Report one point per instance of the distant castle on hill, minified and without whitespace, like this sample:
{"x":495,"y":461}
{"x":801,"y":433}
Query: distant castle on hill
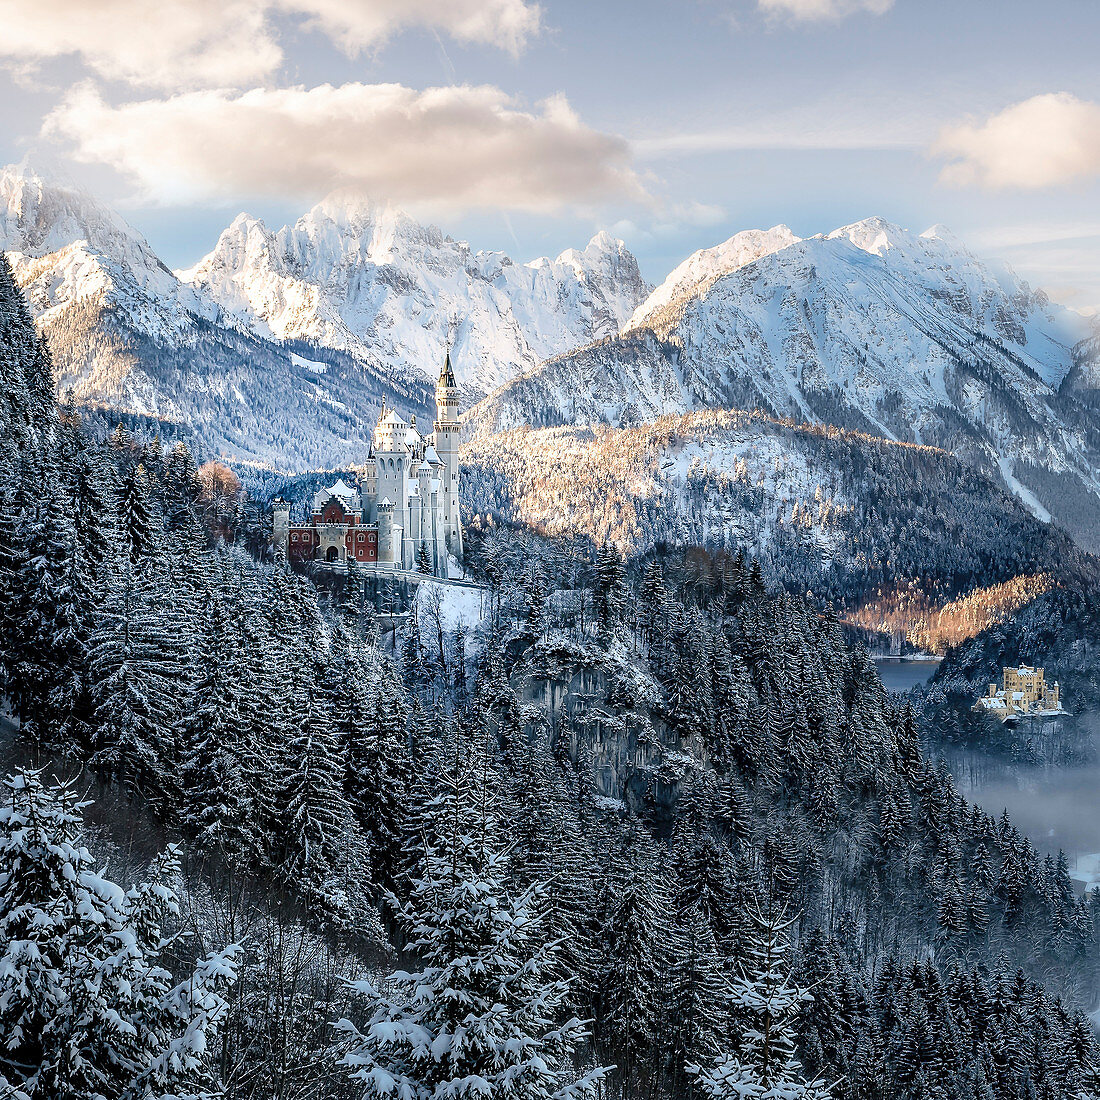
{"x":408,"y":510}
{"x":1024,"y":691}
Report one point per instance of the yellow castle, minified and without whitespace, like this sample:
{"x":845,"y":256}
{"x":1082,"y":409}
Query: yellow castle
{"x":1024,"y":691}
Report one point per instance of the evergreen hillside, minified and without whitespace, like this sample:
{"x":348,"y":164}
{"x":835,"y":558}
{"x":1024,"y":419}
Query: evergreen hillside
{"x":840,"y":513}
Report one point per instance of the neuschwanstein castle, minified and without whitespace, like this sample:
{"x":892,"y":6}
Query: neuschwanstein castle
{"x":409,"y":501}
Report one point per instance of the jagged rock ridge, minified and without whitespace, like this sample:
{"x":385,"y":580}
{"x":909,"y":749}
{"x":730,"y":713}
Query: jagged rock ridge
{"x":369,"y":280}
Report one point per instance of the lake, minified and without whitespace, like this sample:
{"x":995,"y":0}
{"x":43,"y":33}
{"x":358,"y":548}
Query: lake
{"x":904,"y":674}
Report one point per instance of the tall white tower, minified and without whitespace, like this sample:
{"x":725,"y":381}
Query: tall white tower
{"x":280,"y":527}
{"x":391,"y":459}
{"x":447,"y":432}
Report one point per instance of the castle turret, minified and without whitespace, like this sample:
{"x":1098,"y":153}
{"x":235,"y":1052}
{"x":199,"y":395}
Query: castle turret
{"x":391,"y":461}
{"x":388,"y":552}
{"x":447,"y":439}
{"x":280,"y":527}
{"x":370,"y":486}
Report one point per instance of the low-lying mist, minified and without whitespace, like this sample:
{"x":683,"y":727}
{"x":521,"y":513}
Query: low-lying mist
{"x":1056,"y":807}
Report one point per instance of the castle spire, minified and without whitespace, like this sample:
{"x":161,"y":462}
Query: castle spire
{"x":447,"y":375}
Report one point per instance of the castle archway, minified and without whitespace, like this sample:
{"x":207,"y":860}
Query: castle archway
{"x":332,"y":554}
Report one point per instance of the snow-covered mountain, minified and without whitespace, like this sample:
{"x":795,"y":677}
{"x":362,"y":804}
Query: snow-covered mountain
{"x":69,"y":250}
{"x":838,"y":512}
{"x":279,"y":347}
{"x":872,"y":327}
{"x":371,"y":281}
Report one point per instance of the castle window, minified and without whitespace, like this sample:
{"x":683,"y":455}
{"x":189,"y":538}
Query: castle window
{"x":360,"y":538}
{"x":293,"y":538}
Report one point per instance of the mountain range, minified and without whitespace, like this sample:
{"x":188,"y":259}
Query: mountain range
{"x":371,"y":281}
{"x":278,"y":347}
{"x":907,"y":337}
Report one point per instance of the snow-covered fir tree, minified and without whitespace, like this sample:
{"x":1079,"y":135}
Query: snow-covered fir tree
{"x":480,"y":1017}
{"x":765,"y":1003}
{"x":87,"y":1007}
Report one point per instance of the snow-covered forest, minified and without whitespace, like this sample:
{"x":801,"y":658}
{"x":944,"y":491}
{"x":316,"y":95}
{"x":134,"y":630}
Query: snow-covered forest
{"x":643,"y":829}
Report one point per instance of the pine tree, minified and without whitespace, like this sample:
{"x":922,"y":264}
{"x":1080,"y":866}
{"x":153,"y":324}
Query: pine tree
{"x":182,"y":488}
{"x":94,"y":506}
{"x":536,"y":601}
{"x":423,"y":559}
{"x":764,"y":1066}
{"x":87,"y":1008}
{"x":135,"y":675}
{"x":480,"y":1016}
{"x":53,"y":603}
{"x":28,"y":407}
{"x":654,"y":599}
{"x":633,"y":930}
{"x":697,"y":1002}
{"x":325,"y":858}
{"x":219,"y":806}
{"x":610,"y":587}
{"x":376,"y":765}
{"x":13,"y":562}
{"x":139,"y":525}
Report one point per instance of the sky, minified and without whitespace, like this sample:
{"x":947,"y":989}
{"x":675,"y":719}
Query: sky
{"x":527,"y":127}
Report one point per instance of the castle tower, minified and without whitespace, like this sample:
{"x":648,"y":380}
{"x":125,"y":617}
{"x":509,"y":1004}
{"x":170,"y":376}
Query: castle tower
{"x":370,"y":495}
{"x":391,"y":479}
{"x":388,"y":553}
{"x":447,"y":439}
{"x":280,"y":527}
{"x":438,"y":527}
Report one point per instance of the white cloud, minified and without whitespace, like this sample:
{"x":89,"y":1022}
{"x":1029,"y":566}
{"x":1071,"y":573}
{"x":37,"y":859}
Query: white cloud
{"x":775,"y":136}
{"x":166,"y":44}
{"x":508,"y":24}
{"x":810,"y":11}
{"x":450,"y":148}
{"x":1042,"y":142}
{"x":232,"y":43}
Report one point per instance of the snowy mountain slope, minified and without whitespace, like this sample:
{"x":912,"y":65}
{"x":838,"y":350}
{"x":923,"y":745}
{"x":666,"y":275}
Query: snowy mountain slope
{"x":371,"y":281}
{"x":907,"y":337}
{"x":837,"y":512}
{"x":127,"y":334}
{"x":701,"y":269}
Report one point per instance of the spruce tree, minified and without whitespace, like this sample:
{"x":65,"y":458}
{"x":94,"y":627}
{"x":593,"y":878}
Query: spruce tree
{"x":219,"y":772}
{"x":763,"y":1064}
{"x":610,"y":587}
{"x":135,"y":674}
{"x":479,"y":1017}
{"x":634,"y":933}
{"x":371,"y":721}
{"x":87,"y":1008}
{"x":423,"y":559}
{"x":325,"y":859}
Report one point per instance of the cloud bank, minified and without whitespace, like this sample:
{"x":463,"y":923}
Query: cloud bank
{"x":451,"y":148}
{"x":1044,"y":141}
{"x":816,"y":11}
{"x":178,"y":44}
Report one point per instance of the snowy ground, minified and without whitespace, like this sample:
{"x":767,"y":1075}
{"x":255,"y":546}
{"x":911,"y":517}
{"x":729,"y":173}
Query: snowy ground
{"x":459,"y":606}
